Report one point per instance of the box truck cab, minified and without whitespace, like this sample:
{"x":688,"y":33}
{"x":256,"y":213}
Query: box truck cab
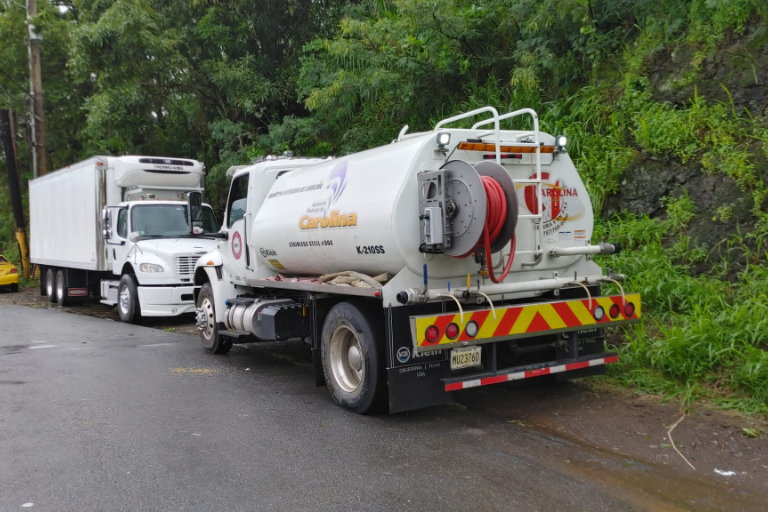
{"x":116,"y":229}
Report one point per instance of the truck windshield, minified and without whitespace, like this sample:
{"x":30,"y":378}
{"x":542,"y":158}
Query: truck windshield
{"x":168,"y":220}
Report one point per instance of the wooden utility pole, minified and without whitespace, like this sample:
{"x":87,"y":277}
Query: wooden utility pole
{"x":14,"y":134}
{"x":15,"y":191}
{"x":39,"y":158}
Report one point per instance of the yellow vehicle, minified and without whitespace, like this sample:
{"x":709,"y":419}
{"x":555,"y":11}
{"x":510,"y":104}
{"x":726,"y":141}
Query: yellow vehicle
{"x":9,"y":274}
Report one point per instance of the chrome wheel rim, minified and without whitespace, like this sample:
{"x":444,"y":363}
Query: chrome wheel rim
{"x":346,"y":357}
{"x":125,"y":299}
{"x":60,"y":288}
{"x":49,"y":284}
{"x":208,"y":312}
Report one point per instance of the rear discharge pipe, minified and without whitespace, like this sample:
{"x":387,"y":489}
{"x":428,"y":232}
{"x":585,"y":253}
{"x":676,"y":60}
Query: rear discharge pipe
{"x":411,"y":296}
{"x":601,"y":248}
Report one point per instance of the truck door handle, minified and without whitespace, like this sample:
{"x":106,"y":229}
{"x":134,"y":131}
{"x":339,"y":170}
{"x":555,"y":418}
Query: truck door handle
{"x":245,"y":241}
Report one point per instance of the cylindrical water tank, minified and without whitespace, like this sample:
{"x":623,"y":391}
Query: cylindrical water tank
{"x":359,"y":212}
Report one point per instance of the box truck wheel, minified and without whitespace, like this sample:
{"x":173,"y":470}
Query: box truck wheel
{"x":50,"y":285}
{"x":61,"y":289}
{"x":352,"y":356}
{"x":213,"y":342}
{"x":128,"y":300}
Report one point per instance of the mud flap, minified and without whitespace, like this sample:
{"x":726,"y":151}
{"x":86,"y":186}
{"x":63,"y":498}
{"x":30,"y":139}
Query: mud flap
{"x":417,"y":386}
{"x":414,"y":380}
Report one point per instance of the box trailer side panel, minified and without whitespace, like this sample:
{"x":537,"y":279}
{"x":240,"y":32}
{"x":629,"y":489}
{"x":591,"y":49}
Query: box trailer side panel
{"x":64,"y":217}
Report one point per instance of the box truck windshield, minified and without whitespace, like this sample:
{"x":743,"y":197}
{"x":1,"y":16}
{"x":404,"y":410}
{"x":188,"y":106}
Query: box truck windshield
{"x":168,"y":221}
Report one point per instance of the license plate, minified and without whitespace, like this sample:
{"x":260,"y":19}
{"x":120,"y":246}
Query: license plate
{"x":465,"y":357}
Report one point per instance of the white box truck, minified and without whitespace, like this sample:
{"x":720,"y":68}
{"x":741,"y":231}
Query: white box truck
{"x":116,"y":228}
{"x":446,"y":260}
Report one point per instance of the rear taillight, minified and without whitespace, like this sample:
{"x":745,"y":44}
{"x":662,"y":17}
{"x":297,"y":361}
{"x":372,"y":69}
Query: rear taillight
{"x":614,"y":311}
{"x":432,"y":334}
{"x":629,"y":310}
{"x":452,"y":331}
{"x":14,"y":271}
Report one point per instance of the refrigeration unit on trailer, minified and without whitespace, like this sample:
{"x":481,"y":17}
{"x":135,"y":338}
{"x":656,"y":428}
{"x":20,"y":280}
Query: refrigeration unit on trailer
{"x":446,"y":260}
{"x":116,"y":228}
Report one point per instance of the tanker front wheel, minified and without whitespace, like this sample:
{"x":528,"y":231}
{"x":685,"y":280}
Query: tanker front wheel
{"x":353,"y":359}
{"x":212,"y":340}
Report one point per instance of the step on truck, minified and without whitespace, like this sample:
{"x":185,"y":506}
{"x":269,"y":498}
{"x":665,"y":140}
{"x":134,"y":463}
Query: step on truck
{"x":116,"y":229}
{"x":446,"y":260}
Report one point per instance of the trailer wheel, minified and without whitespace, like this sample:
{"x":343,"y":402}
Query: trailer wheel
{"x":353,"y":359}
{"x":128,"y":300}
{"x":61,"y":289}
{"x":50,"y":285}
{"x":213,"y":342}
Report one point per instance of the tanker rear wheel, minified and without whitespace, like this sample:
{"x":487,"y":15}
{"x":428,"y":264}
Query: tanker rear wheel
{"x":353,"y":358}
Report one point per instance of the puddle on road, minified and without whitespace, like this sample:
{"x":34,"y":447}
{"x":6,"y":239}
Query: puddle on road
{"x":13,"y":349}
{"x":638,"y":480}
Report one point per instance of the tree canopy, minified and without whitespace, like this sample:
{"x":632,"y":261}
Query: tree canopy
{"x":675,"y":86}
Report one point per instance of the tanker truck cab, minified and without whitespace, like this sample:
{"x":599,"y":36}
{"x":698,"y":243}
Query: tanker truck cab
{"x":446,"y":260}
{"x":115,"y":228}
{"x":226,"y":268}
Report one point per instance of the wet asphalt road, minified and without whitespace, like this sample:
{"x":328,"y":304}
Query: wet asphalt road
{"x":99,"y":415}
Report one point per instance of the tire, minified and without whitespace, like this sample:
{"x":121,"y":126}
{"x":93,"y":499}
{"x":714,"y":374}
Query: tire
{"x":50,"y":285}
{"x":353,"y":358}
{"x":62,"y":296}
{"x":128,"y":300}
{"x":213,"y":341}
{"x":15,"y":287}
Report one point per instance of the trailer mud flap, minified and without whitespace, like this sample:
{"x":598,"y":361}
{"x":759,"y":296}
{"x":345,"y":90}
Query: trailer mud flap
{"x":417,"y":386}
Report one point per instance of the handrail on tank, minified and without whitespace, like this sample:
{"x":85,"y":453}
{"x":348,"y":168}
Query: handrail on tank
{"x":472,"y":113}
{"x":508,"y":115}
{"x":536,"y":140}
{"x":537,"y":218}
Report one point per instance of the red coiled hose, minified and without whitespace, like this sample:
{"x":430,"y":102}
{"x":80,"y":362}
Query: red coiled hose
{"x":495,"y":216}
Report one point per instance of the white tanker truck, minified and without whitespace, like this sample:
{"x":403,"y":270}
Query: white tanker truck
{"x":443,"y":261}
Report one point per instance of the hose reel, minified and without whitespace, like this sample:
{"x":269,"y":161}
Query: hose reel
{"x":467,"y":209}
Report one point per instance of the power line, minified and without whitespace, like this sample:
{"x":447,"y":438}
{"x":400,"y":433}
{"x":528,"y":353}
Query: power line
{"x":17,"y":84}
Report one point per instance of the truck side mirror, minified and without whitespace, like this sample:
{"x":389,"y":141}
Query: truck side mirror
{"x":194,"y":210}
{"x":134,"y":237}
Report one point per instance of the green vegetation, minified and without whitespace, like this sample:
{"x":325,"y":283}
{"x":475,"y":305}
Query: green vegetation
{"x":633,"y":83}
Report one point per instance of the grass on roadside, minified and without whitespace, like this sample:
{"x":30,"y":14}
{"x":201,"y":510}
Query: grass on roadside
{"x":703,"y":337}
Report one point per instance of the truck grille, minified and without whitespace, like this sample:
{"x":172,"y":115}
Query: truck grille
{"x":185,"y":265}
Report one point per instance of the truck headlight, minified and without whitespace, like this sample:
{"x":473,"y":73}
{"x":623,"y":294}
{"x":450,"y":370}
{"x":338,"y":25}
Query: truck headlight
{"x":150,"y":267}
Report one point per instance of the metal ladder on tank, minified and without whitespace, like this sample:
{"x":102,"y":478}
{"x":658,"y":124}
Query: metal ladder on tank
{"x":538,"y":217}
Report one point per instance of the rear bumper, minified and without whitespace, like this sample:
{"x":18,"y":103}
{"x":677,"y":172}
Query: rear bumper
{"x":529,"y":371}
{"x":521,"y":321}
{"x":166,"y":300}
{"x":9,"y":279}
